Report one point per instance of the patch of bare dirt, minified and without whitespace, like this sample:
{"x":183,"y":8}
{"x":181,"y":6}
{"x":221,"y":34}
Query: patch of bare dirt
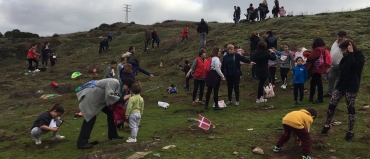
{"x":119,"y":150}
{"x":189,"y":111}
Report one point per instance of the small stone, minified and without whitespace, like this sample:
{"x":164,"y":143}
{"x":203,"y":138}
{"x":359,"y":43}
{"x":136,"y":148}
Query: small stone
{"x":258,"y":150}
{"x":336,"y":123}
{"x":74,"y":118}
{"x":157,"y":155}
{"x":251,"y":129}
{"x":169,"y":146}
{"x":210,"y":137}
{"x":235,"y":153}
{"x":192,"y":120}
{"x":46,"y":147}
{"x":332,"y":150}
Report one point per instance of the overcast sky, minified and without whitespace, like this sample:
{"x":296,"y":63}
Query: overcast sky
{"x":46,"y":17}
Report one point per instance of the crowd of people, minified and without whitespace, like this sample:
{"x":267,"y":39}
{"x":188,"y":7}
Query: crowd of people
{"x":118,"y":94}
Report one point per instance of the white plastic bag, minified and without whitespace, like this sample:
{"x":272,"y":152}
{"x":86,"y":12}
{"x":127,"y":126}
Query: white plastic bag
{"x":269,"y":91}
{"x":163,"y":104}
{"x":221,"y":104}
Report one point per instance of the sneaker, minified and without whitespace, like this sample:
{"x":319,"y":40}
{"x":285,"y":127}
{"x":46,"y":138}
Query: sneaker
{"x":38,"y":141}
{"x":317,"y":102}
{"x":201,"y":103}
{"x":307,"y":157}
{"x":229,"y":102}
{"x":277,"y":149}
{"x":294,"y":103}
{"x":283,"y":86}
{"x":236,"y":103}
{"x":325,"y":130}
{"x":349,"y":136}
{"x":57,"y":137}
{"x":130,"y":140}
{"x":261,"y":100}
{"x":194,"y":103}
{"x":37,"y":70}
{"x":29,"y":71}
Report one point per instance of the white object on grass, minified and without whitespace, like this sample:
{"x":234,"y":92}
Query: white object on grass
{"x":269,"y":91}
{"x":163,"y":104}
{"x":221,"y":104}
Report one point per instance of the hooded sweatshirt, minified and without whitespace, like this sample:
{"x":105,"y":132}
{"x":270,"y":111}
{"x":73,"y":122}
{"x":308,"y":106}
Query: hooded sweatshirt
{"x":202,"y":27}
{"x":254,"y":42}
{"x":300,"y":74}
{"x":298,"y":119}
{"x":336,"y":54}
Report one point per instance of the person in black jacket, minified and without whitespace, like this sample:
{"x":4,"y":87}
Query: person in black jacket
{"x":237,"y":15}
{"x":103,"y":44}
{"x":45,"y":54}
{"x":254,"y":39}
{"x":155,"y":38}
{"x":186,"y":69}
{"x":203,"y":32}
{"x":350,"y":68}
{"x":262,"y":56}
{"x":270,"y":40}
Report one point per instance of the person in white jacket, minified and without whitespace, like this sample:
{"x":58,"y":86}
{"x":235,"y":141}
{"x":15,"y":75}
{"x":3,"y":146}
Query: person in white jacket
{"x":213,"y":78}
{"x":299,"y":53}
{"x":336,"y":56}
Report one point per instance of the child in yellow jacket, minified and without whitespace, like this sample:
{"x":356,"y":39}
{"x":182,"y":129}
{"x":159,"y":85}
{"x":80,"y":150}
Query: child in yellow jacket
{"x":298,"y":122}
{"x":135,"y":108}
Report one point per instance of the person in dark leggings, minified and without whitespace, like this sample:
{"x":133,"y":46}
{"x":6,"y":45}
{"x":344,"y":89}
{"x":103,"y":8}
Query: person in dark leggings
{"x":254,"y":40}
{"x":186,"y":69}
{"x":286,"y":64}
{"x":262,"y":56}
{"x":300,"y":75}
{"x":213,"y":78}
{"x":199,"y":76}
{"x":231,"y":69}
{"x":318,"y":47}
{"x":273,"y":66}
{"x":32,"y":57}
{"x":350,"y":68}
{"x":46,"y":51}
{"x":155,"y":38}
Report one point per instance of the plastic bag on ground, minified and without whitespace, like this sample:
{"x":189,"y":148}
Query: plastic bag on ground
{"x":269,"y":91}
{"x":221,"y":104}
{"x":163,"y":104}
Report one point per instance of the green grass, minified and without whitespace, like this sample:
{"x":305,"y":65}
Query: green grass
{"x":20,"y":103}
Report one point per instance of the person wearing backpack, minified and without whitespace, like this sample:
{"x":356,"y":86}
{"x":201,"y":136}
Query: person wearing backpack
{"x":129,"y":70}
{"x":231,"y":69}
{"x":262,"y":56}
{"x":350,"y":68}
{"x":318,"y":58}
{"x":199,"y":77}
{"x":336,"y":56}
{"x":213,"y":77}
{"x":270,"y":40}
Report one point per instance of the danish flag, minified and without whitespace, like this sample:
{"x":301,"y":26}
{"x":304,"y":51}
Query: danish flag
{"x":204,"y":123}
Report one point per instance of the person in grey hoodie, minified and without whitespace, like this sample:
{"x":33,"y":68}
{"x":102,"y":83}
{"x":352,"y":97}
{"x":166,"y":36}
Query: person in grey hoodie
{"x":120,"y":66}
{"x":286,"y":64}
{"x":109,"y":73}
{"x":336,"y":56}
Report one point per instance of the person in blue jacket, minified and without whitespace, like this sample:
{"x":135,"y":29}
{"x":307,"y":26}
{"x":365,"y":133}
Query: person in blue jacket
{"x":231,"y":69}
{"x":110,"y":37}
{"x":135,"y":67}
{"x":300,"y":75}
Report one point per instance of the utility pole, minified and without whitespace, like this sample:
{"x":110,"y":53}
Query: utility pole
{"x":127,"y":10}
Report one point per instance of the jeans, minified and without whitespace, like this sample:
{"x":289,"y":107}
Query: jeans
{"x":272,"y":75}
{"x":30,"y":63}
{"x":203,"y":39}
{"x":333,"y":76}
{"x":298,"y":87}
{"x":37,"y":131}
{"x":237,"y":20}
{"x":262,"y":15}
{"x":284,"y":75}
{"x":215,"y":94}
{"x":134,"y":120}
{"x":260,"y":87}
{"x":233,"y":83}
{"x":302,"y":134}
{"x":198,"y":83}
{"x":316,"y":81}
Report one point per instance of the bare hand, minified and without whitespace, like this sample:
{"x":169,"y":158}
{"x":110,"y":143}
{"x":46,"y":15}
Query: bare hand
{"x":223,"y":78}
{"x":187,"y":75}
{"x":350,"y":48}
{"x":55,"y":129}
{"x":252,"y":63}
{"x":126,"y":97}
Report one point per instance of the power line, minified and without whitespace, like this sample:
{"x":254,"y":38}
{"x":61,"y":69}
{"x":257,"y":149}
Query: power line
{"x":127,"y":10}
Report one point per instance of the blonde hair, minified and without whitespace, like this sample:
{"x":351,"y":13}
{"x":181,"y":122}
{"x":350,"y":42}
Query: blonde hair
{"x":230,"y":46}
{"x":265,"y":2}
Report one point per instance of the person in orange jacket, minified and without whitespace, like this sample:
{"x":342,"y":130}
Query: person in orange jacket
{"x":184,"y":34}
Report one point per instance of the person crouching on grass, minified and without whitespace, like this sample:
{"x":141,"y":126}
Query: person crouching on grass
{"x":42,"y":124}
{"x":298,"y":122}
{"x":135,"y":108}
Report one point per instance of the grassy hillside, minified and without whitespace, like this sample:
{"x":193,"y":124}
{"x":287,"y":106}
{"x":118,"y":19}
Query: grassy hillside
{"x":20,"y":102}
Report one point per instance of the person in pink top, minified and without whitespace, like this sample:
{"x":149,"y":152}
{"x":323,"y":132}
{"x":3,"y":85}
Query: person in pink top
{"x":282,"y":12}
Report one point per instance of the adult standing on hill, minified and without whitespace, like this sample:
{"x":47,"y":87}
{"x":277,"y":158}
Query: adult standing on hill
{"x":237,"y":15}
{"x":270,"y":40}
{"x":262,"y":56}
{"x":103,"y":44}
{"x":147,"y":39}
{"x":350,"y":68}
{"x":155,"y":38}
{"x":130,"y":55}
{"x":203,"y":32}
{"x":32,"y":57}
{"x":336,"y":56}
{"x":184,"y":34}
{"x":254,"y":40}
{"x":234,"y":15}
{"x":231,"y":69}
{"x":199,"y":76}
{"x":262,"y":9}
{"x":94,"y":97}
{"x":213,"y":78}
{"x":318,"y":47}
{"x":277,"y":4}
{"x":46,"y":51}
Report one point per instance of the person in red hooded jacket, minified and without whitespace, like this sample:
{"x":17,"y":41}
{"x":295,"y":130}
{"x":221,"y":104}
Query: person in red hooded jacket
{"x":184,"y":34}
{"x":318,"y":47}
{"x":199,"y":76}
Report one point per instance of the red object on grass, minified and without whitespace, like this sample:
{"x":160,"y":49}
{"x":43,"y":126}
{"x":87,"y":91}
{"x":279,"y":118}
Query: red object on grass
{"x":54,"y":84}
{"x":204,"y":123}
{"x":94,"y":70}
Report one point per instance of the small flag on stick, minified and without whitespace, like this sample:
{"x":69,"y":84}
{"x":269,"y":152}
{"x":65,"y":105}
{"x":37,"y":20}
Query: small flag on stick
{"x":203,"y":122}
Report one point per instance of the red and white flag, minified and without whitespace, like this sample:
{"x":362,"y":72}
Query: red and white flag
{"x":204,"y":123}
